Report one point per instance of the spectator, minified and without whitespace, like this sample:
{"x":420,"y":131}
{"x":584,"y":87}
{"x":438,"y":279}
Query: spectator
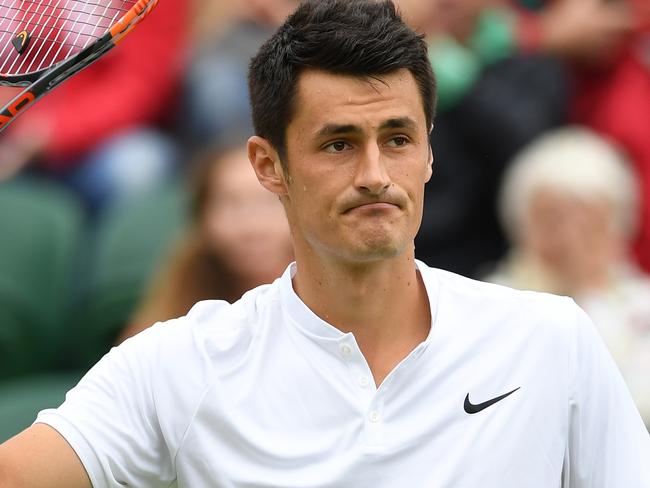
{"x":607,"y":46}
{"x":569,"y":204}
{"x":494,"y":97}
{"x":97,"y":132}
{"x":216,"y":93}
{"x":238,"y":239}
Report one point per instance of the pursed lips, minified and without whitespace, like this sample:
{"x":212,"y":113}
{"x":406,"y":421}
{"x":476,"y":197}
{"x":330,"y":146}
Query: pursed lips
{"x":373,"y":206}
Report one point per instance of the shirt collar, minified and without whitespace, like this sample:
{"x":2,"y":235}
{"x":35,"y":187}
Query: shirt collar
{"x":316,"y":328}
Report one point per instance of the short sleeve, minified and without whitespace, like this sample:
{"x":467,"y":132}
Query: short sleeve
{"x":608,"y":444}
{"x":112,"y":418}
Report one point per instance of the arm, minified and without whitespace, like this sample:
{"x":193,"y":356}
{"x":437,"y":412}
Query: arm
{"x":608,"y":444}
{"x":40,"y":457}
{"x":584,"y":31}
{"x":112,"y":423}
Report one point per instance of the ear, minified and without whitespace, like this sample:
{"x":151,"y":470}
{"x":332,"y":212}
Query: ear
{"x":266,"y":164}
{"x":429,"y":170}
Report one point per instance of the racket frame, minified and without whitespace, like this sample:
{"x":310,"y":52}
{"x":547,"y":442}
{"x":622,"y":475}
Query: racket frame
{"x":41,"y":82}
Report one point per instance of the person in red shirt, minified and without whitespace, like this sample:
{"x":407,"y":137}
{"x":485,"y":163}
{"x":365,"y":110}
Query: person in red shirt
{"x":615,"y":101}
{"x":607,"y":46}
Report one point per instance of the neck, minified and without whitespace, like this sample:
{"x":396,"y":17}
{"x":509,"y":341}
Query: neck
{"x":383,"y":303}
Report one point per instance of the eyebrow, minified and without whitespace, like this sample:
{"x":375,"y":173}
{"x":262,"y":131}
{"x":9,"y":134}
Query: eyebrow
{"x":338,"y":129}
{"x":399,"y":123}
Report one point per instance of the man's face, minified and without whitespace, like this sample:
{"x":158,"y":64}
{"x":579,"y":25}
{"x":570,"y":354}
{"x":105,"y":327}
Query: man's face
{"x":358,"y":157}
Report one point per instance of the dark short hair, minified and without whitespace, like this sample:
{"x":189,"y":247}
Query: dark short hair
{"x":362,"y":38}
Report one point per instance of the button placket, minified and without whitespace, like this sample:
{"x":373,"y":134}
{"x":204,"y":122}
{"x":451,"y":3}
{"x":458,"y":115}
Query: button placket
{"x":358,"y":369}
{"x":371,"y":399}
{"x":374,"y":424}
{"x":345,"y":349}
{"x":374,"y":416}
{"x":364,"y":381}
{"x":363,"y":386}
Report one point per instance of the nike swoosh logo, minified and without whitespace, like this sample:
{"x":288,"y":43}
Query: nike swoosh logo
{"x":471,"y":408}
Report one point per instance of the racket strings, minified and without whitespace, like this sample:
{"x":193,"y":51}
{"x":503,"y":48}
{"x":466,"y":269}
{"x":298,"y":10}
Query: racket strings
{"x":54,"y":30}
{"x":56,"y":18}
{"x":71,"y":11}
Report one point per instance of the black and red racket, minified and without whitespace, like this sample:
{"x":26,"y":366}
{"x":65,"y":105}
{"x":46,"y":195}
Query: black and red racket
{"x":45,"y":42}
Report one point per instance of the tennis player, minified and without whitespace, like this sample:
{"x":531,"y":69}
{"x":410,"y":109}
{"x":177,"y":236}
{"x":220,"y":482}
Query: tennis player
{"x":360,"y":366}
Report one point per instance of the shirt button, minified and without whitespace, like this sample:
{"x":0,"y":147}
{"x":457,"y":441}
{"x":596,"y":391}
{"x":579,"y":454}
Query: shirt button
{"x":364,"y":382}
{"x":346,"y":350}
{"x":375,"y":416}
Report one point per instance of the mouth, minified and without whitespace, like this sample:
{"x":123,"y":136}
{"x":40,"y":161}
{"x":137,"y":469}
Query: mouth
{"x":373,"y":207}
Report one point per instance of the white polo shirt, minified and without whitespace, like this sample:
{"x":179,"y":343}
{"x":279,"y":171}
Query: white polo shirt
{"x":263,"y":393}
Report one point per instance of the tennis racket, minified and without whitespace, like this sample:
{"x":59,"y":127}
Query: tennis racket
{"x":45,"y":42}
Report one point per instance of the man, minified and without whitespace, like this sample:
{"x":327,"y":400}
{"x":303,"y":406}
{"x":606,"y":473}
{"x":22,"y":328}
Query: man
{"x":359,"y":367}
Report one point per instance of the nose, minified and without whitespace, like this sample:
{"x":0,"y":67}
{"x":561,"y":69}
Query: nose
{"x":371,"y":176}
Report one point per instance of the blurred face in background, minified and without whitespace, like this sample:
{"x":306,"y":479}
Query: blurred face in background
{"x":458,"y":18}
{"x":418,"y":14}
{"x":271,"y":12}
{"x":571,"y":235}
{"x":244,"y":224}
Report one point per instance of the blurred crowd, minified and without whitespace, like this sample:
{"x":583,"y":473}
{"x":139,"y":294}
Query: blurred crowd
{"x":148,"y":204}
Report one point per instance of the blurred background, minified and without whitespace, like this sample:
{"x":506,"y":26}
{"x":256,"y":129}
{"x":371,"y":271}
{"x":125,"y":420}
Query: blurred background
{"x":126,"y":195}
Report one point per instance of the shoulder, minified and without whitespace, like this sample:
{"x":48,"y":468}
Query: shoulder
{"x":210,"y":329}
{"x":472,"y":291}
{"x":480,"y":305}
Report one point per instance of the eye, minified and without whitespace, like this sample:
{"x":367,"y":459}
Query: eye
{"x":337,"y":147}
{"x":398,"y":141}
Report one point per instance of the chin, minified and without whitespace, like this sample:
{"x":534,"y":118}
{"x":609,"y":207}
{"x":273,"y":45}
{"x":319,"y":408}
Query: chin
{"x":377,"y":251}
